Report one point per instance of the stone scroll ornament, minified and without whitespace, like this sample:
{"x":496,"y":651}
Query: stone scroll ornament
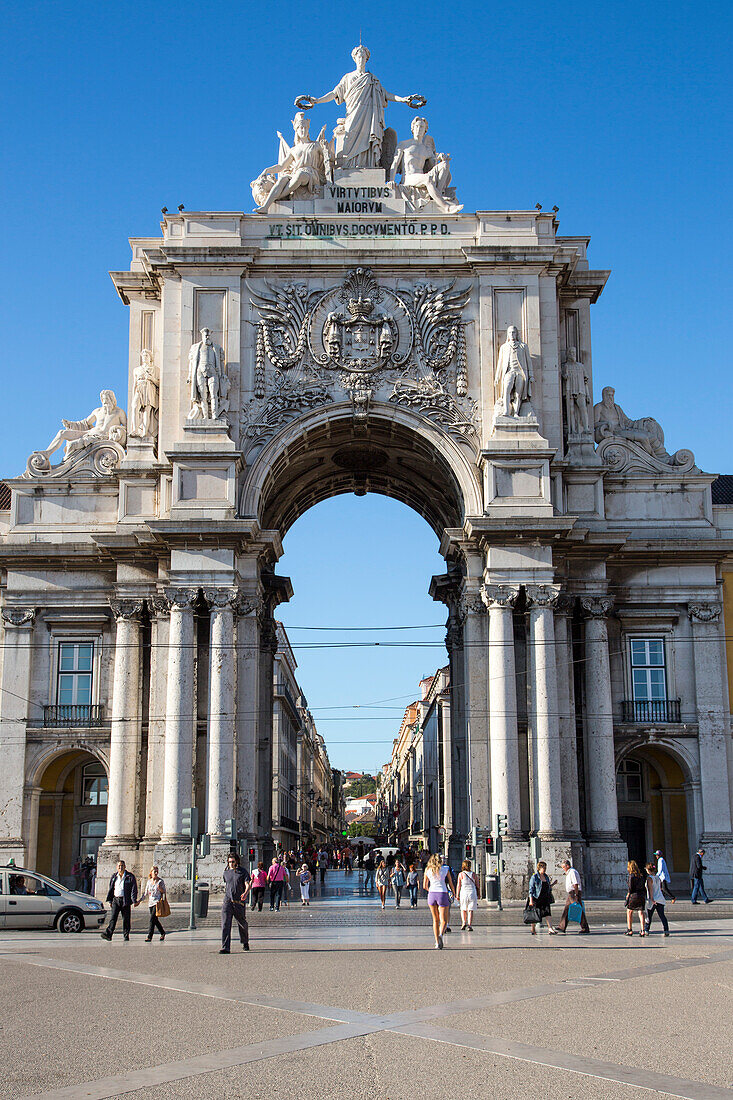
{"x":350,"y":337}
{"x":94,"y":447}
{"x":634,"y":446}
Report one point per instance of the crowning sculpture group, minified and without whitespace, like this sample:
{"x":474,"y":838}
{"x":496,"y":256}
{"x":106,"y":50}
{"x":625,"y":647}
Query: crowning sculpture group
{"x":424,"y":322}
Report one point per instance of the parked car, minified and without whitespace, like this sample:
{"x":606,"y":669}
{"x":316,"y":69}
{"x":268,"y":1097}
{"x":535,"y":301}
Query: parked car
{"x":30,"y":900}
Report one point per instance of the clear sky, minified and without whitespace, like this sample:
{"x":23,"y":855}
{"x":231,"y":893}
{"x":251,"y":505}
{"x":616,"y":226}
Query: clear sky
{"x":618,"y":113}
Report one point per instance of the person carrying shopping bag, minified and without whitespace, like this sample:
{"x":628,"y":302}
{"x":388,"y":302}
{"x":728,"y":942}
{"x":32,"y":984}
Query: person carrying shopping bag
{"x":157,"y":902}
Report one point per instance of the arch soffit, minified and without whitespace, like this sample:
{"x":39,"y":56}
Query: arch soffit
{"x":681,"y":754}
{"x":255,"y":490}
{"x":46,"y":755}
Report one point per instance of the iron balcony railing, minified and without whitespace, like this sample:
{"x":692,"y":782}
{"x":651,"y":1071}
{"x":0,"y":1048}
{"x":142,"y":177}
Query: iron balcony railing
{"x":73,"y":714}
{"x":651,"y":710}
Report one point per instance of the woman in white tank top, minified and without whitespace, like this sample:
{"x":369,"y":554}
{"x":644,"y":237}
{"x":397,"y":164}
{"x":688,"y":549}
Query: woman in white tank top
{"x":437,"y":881}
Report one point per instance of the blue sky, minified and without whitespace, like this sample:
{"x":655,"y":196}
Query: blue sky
{"x":619,"y":114}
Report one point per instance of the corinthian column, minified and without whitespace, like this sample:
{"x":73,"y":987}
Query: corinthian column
{"x":600,"y":758}
{"x":180,"y":716}
{"x":541,"y":601}
{"x":124,"y":746}
{"x":220,"y":796}
{"x":17,"y":713}
{"x":503,"y":739}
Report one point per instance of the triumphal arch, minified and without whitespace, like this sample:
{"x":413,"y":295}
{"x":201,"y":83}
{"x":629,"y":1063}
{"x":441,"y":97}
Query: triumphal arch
{"x":359,"y":331}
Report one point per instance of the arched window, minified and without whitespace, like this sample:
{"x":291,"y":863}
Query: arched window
{"x":95,"y":785}
{"x":629,"y":786}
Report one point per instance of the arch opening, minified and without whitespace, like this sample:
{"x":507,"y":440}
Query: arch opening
{"x":70,"y":811}
{"x":656,"y":810}
{"x":399,"y":456}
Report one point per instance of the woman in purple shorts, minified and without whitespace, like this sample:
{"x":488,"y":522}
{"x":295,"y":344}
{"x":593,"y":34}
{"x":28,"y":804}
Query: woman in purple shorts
{"x":437,"y":881}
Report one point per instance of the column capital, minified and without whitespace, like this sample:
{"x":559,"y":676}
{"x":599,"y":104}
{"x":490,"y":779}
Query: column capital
{"x":159,"y":605}
{"x":182,"y":598}
{"x":542,"y":595}
{"x":473,"y":603}
{"x":596,"y":607}
{"x":128,"y":610}
{"x":18,"y":616}
{"x":565,"y":603}
{"x":248,"y":603}
{"x":220,"y":598}
{"x":500,"y":595}
{"x":704,"y":612}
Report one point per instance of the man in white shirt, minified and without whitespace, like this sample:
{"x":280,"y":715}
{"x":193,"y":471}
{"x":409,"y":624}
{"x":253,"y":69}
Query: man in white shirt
{"x":665,"y":878}
{"x":574,"y":891}
{"x":122,"y":895}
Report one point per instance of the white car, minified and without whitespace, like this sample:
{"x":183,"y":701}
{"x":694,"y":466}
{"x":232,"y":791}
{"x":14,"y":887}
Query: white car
{"x":30,"y":900}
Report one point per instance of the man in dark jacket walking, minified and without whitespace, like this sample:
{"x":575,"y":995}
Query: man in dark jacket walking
{"x":234,"y":906}
{"x":696,"y":884}
{"x":122,"y":895}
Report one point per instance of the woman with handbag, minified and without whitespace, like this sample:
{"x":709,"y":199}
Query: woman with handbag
{"x":539,"y":902}
{"x":157,"y":902}
{"x":635,"y":897}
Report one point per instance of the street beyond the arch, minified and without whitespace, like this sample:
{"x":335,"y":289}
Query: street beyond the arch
{"x":342,"y":990}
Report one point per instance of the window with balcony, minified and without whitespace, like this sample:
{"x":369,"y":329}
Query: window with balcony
{"x":74,"y":684}
{"x":648,"y":675}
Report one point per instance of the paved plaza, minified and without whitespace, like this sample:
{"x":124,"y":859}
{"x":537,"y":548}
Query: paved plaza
{"x":344,"y":1000}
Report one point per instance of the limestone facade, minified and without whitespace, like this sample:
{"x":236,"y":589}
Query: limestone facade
{"x":355,"y":338}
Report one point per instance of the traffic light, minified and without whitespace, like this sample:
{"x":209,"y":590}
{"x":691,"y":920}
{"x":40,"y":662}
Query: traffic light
{"x":489,"y":845}
{"x":204,"y":845}
{"x":501,"y":824}
{"x":190,"y":822}
{"x":230,"y":829}
{"x":251,"y":855}
{"x":469,"y":849}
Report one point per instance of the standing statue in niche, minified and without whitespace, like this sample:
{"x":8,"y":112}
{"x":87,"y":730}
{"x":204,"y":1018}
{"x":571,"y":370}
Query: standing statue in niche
{"x":513,"y":379}
{"x":206,"y":373}
{"x":576,"y":394}
{"x":425,"y":172}
{"x":145,"y":400}
{"x":306,"y":165}
{"x":364,"y":99}
{"x":108,"y":422}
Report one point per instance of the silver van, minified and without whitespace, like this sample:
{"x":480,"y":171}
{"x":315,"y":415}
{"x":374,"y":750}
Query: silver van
{"x":30,"y":900}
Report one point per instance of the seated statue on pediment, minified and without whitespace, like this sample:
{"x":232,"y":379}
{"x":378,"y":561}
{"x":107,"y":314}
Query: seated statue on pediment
{"x":634,"y":445}
{"x":105,"y":427}
{"x":425,"y":172}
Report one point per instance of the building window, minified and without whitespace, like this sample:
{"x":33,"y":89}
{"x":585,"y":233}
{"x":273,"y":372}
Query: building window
{"x":629,"y":787}
{"x":648,"y":669}
{"x":95,"y":785}
{"x":91,"y":835}
{"x":74,"y":686}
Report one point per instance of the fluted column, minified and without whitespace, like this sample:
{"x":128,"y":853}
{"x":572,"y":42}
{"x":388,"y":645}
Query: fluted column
{"x":503,"y":736}
{"x":712,"y":719}
{"x":477,"y":706}
{"x":124,"y":746}
{"x":600,"y":758}
{"x":541,"y":601}
{"x":180,"y":715}
{"x":566,"y":716}
{"x":247,"y":721}
{"x":159,"y":608}
{"x":220,"y":794}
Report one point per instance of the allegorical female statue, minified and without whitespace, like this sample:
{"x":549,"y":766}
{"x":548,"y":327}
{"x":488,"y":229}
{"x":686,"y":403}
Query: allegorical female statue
{"x":365,"y":99}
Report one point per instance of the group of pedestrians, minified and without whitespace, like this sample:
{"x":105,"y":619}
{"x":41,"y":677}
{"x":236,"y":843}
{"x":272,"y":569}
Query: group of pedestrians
{"x":122,"y":897}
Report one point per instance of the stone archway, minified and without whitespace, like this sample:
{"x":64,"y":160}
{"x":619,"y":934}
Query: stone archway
{"x":655,"y":802}
{"x":68,"y":812}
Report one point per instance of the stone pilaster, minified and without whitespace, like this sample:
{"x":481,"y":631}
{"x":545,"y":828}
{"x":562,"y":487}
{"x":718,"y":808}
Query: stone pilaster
{"x":475,"y":635}
{"x":247,"y":697}
{"x":220,"y":795}
{"x":15,"y":686}
{"x":712,"y":720}
{"x":607,"y":853}
{"x":180,"y":713}
{"x":159,"y":607}
{"x":124,"y":748}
